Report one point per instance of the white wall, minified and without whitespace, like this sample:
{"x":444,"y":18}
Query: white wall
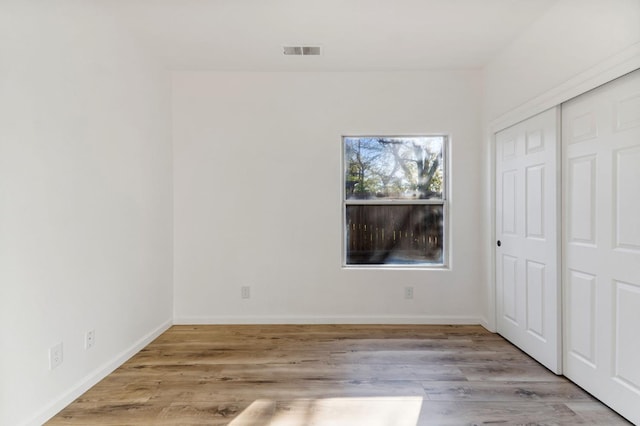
{"x":257,"y":195}
{"x":86,"y":187}
{"x":85,"y":201}
{"x":572,"y":37}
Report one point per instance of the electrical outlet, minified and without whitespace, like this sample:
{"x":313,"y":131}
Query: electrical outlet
{"x":55,"y":356}
{"x":245,"y":292}
{"x":89,"y":339}
{"x":408,"y":292}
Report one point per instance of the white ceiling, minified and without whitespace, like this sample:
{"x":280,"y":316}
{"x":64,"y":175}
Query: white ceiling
{"x":354,"y":34}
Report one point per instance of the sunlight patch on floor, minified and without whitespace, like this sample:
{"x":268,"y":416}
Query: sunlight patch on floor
{"x":377,"y":411}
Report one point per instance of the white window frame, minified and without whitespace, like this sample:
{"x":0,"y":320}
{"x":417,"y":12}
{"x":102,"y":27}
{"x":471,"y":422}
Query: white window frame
{"x":444,"y":202}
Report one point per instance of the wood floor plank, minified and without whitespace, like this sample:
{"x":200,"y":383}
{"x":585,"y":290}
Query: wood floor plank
{"x":505,"y":391}
{"x":596,"y":413}
{"x":497,"y":413}
{"x":325,"y":371}
{"x":512,"y":372}
{"x":404,"y":375}
{"x":242,"y":391}
{"x":444,"y":356}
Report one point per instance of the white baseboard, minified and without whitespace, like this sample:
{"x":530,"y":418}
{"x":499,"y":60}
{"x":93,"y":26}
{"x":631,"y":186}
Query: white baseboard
{"x":485,"y":323}
{"x":95,"y":376}
{"x":329,"y":319}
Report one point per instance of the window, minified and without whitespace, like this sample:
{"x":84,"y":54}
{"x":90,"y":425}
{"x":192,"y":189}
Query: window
{"x":395,"y":200}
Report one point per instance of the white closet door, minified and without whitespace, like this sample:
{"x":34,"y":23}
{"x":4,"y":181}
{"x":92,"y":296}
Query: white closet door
{"x":527,"y":198}
{"x":601,"y":234}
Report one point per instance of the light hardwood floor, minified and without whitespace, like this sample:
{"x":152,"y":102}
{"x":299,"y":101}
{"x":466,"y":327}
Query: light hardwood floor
{"x":333,"y":375}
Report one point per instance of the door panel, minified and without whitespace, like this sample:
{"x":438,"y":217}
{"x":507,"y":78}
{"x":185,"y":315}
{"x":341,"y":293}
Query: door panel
{"x":626,"y":192}
{"x":509,"y":294}
{"x":581,"y":308}
{"x":581,"y":207}
{"x":535,"y":201}
{"x":626,"y":365}
{"x":535,"y":296}
{"x":526,"y":225}
{"x":509,"y":184}
{"x":601,"y":250}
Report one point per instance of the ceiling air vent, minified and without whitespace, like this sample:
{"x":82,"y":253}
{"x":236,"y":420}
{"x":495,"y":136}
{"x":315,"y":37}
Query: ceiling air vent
{"x":301,"y":50}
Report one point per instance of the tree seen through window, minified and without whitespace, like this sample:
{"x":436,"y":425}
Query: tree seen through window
{"x":394,"y":197}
